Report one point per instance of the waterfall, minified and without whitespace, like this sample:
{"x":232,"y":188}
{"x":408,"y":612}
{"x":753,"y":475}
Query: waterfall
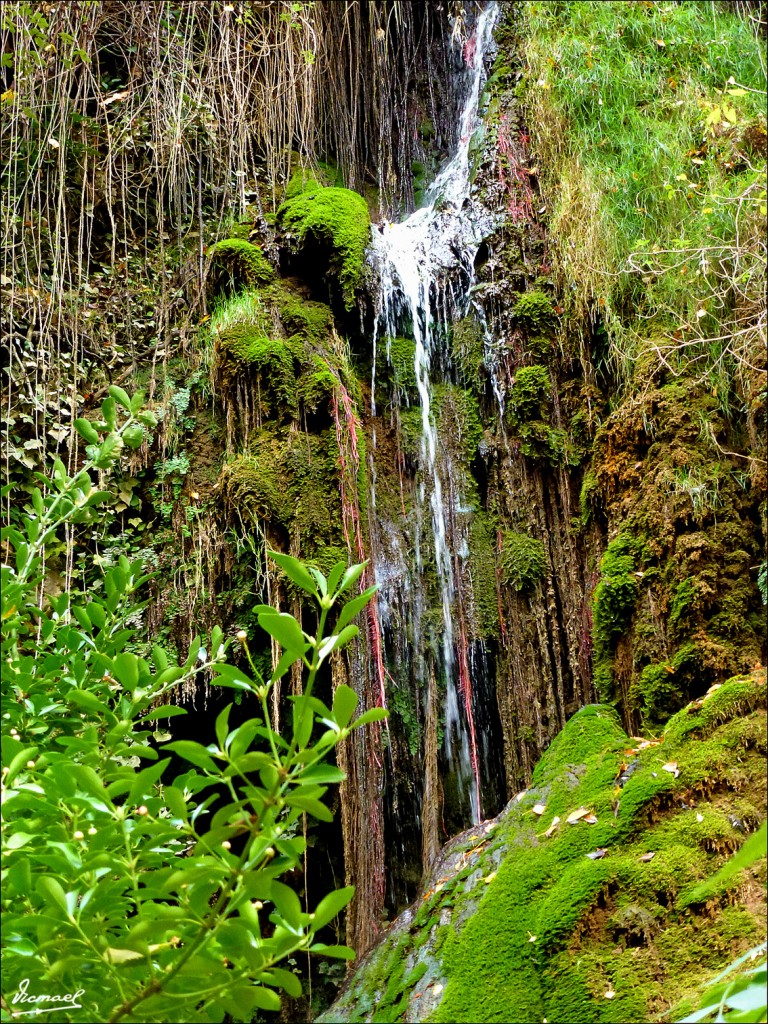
{"x":426,"y":269}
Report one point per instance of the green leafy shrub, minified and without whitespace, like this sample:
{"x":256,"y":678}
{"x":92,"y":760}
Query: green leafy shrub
{"x":122,"y":883}
{"x":523,"y":561}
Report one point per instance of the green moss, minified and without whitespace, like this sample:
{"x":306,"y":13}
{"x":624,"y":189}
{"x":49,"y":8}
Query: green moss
{"x":535,"y":312}
{"x":587,"y":496}
{"x":339,"y":219}
{"x":242,"y":345}
{"x":458,"y":420}
{"x":317,"y":386}
{"x":523,"y":561}
{"x":250,"y":486}
{"x":529,"y":392}
{"x":244,"y":260}
{"x":310,"y":322}
{"x":402,"y":359}
{"x":540,"y":441}
{"x":468,"y":351}
{"x":615,"y":595}
{"x":302,"y":182}
{"x":655,"y":694}
{"x":480,"y":573}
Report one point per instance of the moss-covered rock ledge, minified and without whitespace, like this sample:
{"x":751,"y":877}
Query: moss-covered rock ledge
{"x":592,"y":896}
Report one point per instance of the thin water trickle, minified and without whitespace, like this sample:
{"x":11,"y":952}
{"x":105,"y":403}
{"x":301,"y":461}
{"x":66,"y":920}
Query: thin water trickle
{"x":426,"y":269}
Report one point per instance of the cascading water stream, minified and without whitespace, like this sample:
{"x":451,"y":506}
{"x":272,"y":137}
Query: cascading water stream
{"x":426,"y":268}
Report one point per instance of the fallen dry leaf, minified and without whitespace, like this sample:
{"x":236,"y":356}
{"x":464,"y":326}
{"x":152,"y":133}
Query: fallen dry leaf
{"x":699,"y":816}
{"x":539,"y":809}
{"x":521,"y":795}
{"x":609,"y":994}
{"x":575,"y":816}
{"x":597,"y":854}
{"x":648,"y":856}
{"x":553,"y":826}
{"x":671,"y":767}
{"x":489,"y":878}
{"x":591,"y":819}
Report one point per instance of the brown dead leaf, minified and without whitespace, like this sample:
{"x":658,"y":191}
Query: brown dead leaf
{"x":539,"y":809}
{"x":648,"y":856}
{"x":553,"y":826}
{"x":575,"y":816}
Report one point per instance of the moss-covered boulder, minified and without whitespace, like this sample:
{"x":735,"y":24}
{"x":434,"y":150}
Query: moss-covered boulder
{"x":335,"y":219}
{"x":245,"y":262}
{"x":588,"y":898}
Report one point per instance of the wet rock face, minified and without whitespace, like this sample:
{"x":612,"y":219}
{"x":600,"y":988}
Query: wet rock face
{"x":520,"y":920}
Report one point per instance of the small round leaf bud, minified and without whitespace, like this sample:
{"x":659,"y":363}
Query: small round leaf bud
{"x":142,"y":810}
{"x":78,"y":835}
{"x":226,"y":845}
{"x":242,"y":635}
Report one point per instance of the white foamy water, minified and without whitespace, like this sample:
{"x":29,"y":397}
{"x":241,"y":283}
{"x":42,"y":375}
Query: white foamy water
{"x":426,"y":267}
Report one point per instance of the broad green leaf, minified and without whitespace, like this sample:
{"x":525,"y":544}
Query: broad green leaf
{"x":50,"y":888}
{"x":134,"y":435}
{"x":240,"y":740}
{"x":137,"y":401}
{"x":125,"y":669}
{"x":295,"y":570}
{"x":303,"y":720}
{"x":337,"y":640}
{"x":287,"y":903}
{"x":89,"y":701}
{"x":285,"y":629}
{"x":120,"y":396}
{"x":371,"y":715}
{"x":322,"y":773}
{"x":164,"y":711}
{"x":193,"y":752}
{"x":264,"y":998}
{"x":19,"y":762}
{"x":284,"y":662}
{"x":331,"y":905}
{"x":220,"y":728}
{"x":87,"y":431}
{"x":230,"y":675}
{"x":146,"y":779}
{"x":335,"y":575}
{"x":351,"y":608}
{"x":311,"y":806}
{"x":344,"y":703}
{"x":343,"y":952}
{"x":250,"y":762}
{"x":352,"y":575}
{"x":122,"y":956}
{"x":285,"y":979}
{"x":174,"y":799}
